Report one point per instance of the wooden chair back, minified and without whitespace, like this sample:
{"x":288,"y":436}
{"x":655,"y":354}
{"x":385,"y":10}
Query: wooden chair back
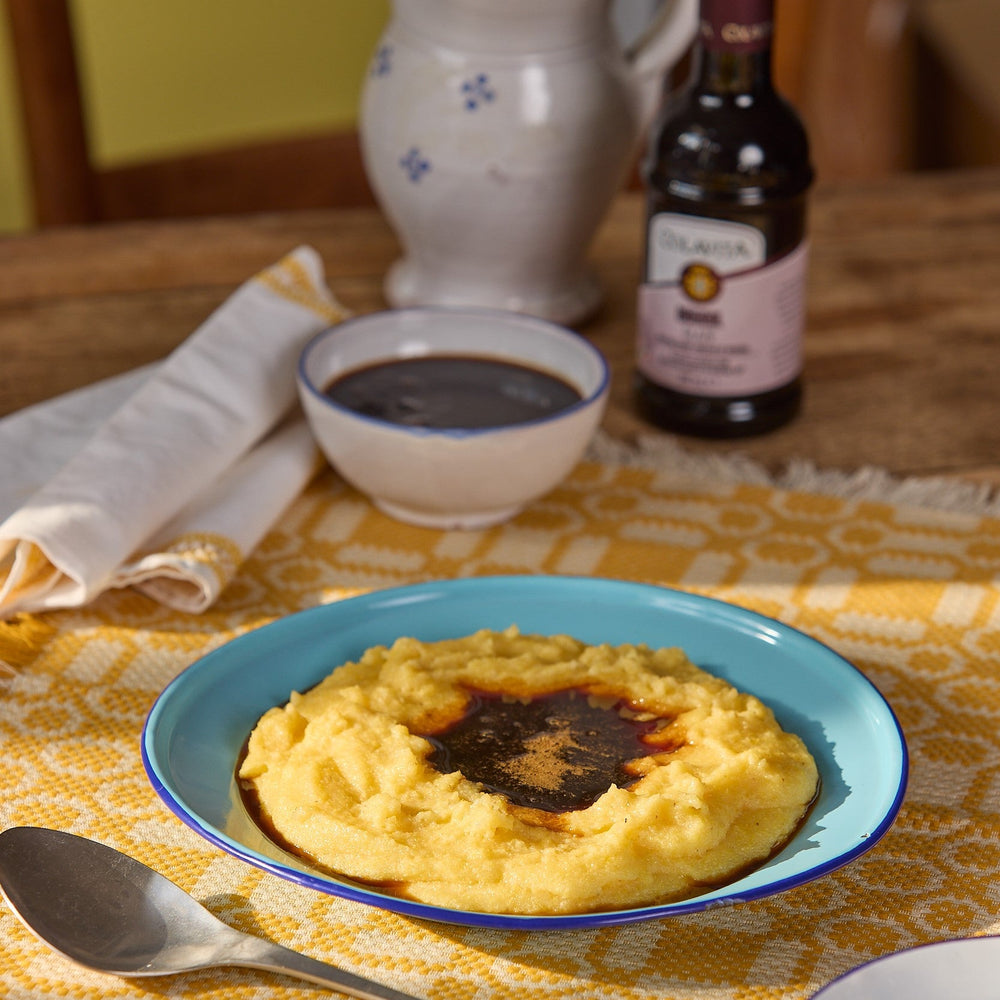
{"x":68,"y":189}
{"x":848,"y":67}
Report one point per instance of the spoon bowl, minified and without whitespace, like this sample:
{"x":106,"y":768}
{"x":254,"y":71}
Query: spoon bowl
{"x":110,"y":913}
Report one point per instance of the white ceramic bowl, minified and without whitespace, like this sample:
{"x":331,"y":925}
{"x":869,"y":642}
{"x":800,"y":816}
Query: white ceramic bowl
{"x":454,"y":478}
{"x":957,"y":969}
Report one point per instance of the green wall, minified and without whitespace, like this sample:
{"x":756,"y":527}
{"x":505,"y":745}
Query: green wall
{"x":163,"y":76}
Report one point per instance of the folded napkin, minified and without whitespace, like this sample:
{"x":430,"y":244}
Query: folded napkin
{"x":184,"y":477}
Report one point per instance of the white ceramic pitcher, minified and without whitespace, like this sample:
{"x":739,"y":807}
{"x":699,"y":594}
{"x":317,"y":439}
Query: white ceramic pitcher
{"x":495,"y":134}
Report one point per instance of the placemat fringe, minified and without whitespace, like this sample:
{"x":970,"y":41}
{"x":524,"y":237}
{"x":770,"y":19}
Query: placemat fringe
{"x":867,"y":483}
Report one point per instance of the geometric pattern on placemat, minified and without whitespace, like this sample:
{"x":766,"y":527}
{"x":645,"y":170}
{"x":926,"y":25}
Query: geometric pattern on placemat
{"x":909,"y":595}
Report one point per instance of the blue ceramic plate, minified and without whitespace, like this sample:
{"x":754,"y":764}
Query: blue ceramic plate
{"x":196,"y":729}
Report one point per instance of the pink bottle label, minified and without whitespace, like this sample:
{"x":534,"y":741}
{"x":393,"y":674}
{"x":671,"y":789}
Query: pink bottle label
{"x":708,"y":333}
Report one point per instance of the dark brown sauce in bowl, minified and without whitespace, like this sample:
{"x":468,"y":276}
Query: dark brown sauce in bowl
{"x":451,"y":392}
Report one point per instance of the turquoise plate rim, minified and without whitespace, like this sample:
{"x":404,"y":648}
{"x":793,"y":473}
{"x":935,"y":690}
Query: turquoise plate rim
{"x":197,"y":726}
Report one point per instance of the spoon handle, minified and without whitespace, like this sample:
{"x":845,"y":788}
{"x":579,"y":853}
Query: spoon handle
{"x":256,"y":953}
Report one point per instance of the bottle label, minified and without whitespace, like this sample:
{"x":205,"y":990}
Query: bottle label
{"x":740,"y":26}
{"x":716,"y":317}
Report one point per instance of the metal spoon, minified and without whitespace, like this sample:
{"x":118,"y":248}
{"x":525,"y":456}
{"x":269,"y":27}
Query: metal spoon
{"x":108,"y":912}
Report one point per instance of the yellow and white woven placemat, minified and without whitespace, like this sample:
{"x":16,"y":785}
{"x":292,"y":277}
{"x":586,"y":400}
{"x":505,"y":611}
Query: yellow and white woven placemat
{"x":908,"y":593}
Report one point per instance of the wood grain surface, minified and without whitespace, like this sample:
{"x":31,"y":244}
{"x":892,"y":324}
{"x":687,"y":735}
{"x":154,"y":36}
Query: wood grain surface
{"x":902,"y":343}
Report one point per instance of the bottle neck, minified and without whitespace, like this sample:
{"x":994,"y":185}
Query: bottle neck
{"x":734,"y":51}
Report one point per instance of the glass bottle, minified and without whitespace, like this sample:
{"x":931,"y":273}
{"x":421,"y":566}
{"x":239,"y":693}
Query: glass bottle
{"x":722,"y":303}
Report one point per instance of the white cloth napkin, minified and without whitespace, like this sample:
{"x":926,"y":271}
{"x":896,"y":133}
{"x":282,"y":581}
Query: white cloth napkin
{"x":195,"y":460}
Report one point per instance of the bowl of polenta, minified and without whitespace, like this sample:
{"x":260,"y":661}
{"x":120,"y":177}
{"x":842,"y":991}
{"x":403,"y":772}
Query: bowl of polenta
{"x":531,"y":752}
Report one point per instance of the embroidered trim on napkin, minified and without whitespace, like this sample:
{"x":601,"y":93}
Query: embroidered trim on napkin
{"x":180,"y":483}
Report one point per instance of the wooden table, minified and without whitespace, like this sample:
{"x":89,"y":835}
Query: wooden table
{"x":903,"y":349}
{"x":903,"y":339}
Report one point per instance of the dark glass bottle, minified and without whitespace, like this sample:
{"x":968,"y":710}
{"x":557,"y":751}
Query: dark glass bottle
{"x":722,"y":304}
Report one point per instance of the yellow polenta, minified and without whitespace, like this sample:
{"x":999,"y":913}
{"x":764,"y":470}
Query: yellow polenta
{"x":342,"y":774}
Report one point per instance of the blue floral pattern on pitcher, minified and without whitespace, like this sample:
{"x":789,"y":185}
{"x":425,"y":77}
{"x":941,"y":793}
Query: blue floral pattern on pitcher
{"x":382,"y":61}
{"x":415,"y":164}
{"x":477,"y":91}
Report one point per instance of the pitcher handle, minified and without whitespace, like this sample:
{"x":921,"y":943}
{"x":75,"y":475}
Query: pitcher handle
{"x":658,"y":49}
